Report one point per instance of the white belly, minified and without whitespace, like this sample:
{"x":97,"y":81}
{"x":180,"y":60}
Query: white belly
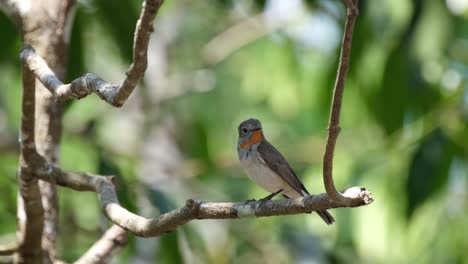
{"x":266,"y":178}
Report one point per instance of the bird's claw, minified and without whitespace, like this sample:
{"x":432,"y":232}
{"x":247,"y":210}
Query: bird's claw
{"x":249,"y":201}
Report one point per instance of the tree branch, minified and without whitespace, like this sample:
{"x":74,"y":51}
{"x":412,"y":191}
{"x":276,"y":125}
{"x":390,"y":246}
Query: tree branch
{"x":144,"y":227}
{"x":113,"y":240}
{"x":8,"y":249}
{"x":113,"y":94}
{"x":31,"y":219}
{"x":334,"y":123}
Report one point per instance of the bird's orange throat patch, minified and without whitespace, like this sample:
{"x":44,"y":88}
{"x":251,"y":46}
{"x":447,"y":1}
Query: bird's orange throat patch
{"x":256,"y":137}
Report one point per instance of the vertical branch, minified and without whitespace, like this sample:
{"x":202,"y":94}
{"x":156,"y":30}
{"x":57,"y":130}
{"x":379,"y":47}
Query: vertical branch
{"x":49,"y":114}
{"x":143,"y":30}
{"x":46,"y":31}
{"x":30,"y":210}
{"x":334,"y":122}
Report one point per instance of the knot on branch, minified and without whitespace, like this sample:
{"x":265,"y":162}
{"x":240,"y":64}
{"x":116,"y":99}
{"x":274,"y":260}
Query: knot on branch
{"x":25,"y":51}
{"x":352,"y":7}
{"x":193,"y":206}
{"x":121,"y":239}
{"x":334,"y":129}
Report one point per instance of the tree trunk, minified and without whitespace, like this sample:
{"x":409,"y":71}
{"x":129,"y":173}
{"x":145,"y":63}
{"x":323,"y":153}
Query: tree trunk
{"x":44,"y":27}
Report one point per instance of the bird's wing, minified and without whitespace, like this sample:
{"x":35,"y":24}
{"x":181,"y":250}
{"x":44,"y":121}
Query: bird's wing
{"x":276,"y":162}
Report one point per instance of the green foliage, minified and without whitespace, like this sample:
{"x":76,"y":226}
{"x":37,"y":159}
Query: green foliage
{"x":404,"y":128}
{"x":429,"y":169}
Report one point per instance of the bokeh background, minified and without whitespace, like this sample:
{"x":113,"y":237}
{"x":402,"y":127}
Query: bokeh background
{"x":213,"y":64}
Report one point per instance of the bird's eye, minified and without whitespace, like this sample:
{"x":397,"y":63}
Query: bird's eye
{"x":244,"y":130}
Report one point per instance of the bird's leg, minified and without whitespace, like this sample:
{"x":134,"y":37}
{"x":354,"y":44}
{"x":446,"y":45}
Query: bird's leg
{"x":269,"y":197}
{"x":249,"y":201}
{"x":264,"y":199}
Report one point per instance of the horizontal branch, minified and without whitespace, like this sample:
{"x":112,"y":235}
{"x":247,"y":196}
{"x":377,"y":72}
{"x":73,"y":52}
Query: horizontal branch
{"x":8,"y":249}
{"x":113,"y":94}
{"x":193,"y":209}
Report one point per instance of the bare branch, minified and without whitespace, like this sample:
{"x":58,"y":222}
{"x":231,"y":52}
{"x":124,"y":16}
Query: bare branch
{"x":144,"y":227}
{"x":31,"y":219}
{"x":114,"y":94}
{"x":334,"y":123}
{"x":113,"y":240}
{"x":235,"y":37}
{"x":8,"y":249}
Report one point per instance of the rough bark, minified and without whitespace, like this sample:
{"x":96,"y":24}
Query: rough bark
{"x":144,"y":227}
{"x":49,"y":40}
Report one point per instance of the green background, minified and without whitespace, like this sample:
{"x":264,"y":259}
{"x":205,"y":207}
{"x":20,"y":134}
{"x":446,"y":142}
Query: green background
{"x":404,"y":127}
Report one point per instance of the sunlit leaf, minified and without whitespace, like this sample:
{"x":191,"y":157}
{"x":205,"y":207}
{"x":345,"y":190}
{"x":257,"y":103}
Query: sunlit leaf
{"x":169,"y":251}
{"x":429,"y":169}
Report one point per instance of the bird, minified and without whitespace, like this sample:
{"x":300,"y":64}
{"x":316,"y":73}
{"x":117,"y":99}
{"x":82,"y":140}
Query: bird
{"x":267,"y":167}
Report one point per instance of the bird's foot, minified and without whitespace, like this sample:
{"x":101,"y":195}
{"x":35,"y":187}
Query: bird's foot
{"x":269,"y":197}
{"x":249,"y":201}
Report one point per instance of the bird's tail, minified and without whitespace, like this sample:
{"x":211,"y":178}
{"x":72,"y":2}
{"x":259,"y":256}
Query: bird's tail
{"x":326,"y":216}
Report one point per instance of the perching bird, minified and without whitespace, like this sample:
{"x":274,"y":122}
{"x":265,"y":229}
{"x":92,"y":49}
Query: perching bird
{"x":265,"y":165}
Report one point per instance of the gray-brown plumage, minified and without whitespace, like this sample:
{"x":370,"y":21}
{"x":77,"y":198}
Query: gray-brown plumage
{"x":265,"y":165}
{"x":276,"y":162}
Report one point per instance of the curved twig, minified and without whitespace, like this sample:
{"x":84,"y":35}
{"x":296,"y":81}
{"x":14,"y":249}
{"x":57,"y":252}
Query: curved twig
{"x":334,"y":123}
{"x":114,"y":239}
{"x":114,"y":94}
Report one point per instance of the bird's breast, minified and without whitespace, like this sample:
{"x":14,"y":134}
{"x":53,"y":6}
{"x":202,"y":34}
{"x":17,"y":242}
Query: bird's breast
{"x":262,"y":174}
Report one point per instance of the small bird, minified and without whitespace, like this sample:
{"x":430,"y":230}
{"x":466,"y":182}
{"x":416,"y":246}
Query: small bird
{"x":265,"y":165}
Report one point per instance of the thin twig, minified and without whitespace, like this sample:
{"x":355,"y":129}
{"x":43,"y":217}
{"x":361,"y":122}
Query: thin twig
{"x":112,"y":241}
{"x":114,"y":94}
{"x":8,"y":249}
{"x":334,"y":123}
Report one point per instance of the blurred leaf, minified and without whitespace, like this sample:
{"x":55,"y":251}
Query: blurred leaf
{"x":10,"y":43}
{"x":194,"y":240}
{"x":75,"y":62}
{"x":8,"y":189}
{"x":120,"y":20}
{"x":169,"y":251}
{"x":78,"y":154}
{"x":75,"y":66}
{"x":429,"y":169}
{"x":161,"y":200}
{"x":403,"y":95}
{"x":196,"y":146}
{"x":107,"y":166}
